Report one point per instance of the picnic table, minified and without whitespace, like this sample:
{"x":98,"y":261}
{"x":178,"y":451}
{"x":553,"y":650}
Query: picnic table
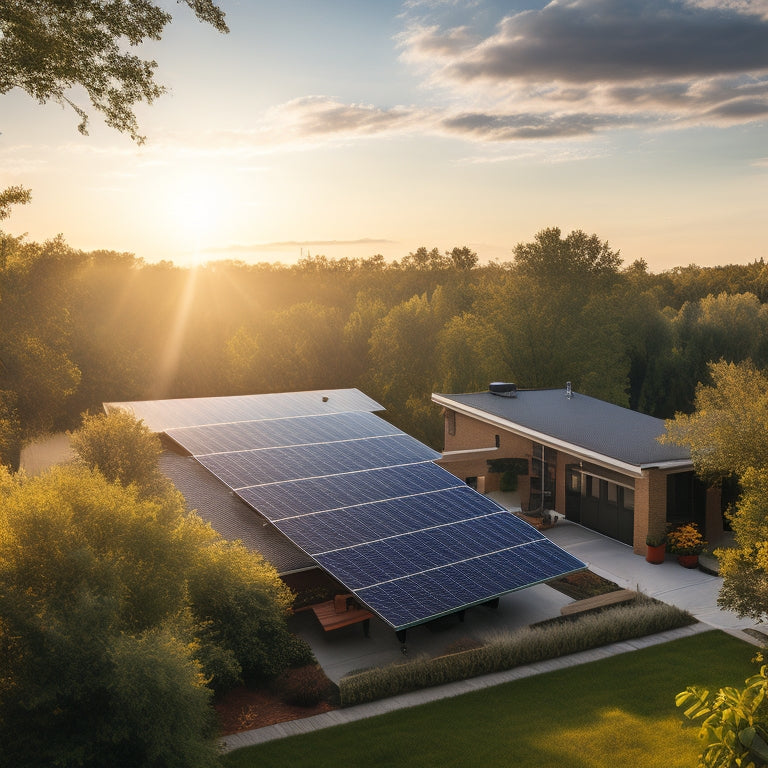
{"x":340,"y":612}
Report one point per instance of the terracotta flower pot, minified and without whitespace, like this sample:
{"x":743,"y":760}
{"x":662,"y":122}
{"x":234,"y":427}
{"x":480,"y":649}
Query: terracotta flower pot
{"x":655,"y":555}
{"x":688,"y":561}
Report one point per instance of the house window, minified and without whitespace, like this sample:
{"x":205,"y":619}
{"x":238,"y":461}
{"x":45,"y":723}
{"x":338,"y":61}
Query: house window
{"x":498,"y":441}
{"x":629,"y":498}
{"x":594,"y":487}
{"x":613,"y":493}
{"x":450,"y":420}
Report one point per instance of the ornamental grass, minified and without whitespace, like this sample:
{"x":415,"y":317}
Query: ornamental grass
{"x":507,"y":650}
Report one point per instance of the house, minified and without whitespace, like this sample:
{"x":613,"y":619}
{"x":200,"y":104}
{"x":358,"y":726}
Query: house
{"x":596,"y":463}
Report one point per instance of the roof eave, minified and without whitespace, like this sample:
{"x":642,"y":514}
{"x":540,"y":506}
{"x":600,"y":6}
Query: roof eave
{"x":635,"y":470}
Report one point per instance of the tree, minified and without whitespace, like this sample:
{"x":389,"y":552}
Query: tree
{"x":49,"y":47}
{"x":15,"y":195}
{"x":727,"y":431}
{"x":89,"y":587}
{"x":462,"y":258}
{"x":123,"y":449}
{"x":728,"y":436}
{"x":559,"y":261}
{"x":118,"y":615}
{"x":403,"y":370}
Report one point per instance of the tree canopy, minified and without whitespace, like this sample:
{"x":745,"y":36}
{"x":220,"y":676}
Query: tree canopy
{"x":78,"y":329}
{"x":728,"y":436}
{"x":47,"y":48}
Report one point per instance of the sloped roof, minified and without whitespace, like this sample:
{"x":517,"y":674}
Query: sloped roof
{"x":229,"y":516}
{"x":584,"y":426}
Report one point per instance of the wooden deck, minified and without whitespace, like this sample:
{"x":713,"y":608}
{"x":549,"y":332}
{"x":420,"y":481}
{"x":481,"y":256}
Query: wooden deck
{"x":334,"y":614}
{"x":598,"y":601}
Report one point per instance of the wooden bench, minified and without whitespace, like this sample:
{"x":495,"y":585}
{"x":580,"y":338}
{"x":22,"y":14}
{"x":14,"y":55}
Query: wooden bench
{"x":598,"y":601}
{"x":341,"y":612}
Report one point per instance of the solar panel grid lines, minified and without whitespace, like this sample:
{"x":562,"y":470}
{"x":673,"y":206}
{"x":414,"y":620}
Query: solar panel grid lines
{"x":425,"y":550}
{"x":410,"y":532}
{"x":229,"y":437}
{"x":295,"y":497}
{"x":417,"y":599}
{"x":411,"y":498}
{"x":361,"y":524}
{"x":247,"y":468}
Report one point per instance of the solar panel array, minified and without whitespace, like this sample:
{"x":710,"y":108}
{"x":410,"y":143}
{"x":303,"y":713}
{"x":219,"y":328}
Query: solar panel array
{"x":364,"y":500}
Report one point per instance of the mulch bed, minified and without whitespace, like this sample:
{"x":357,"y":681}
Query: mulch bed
{"x":583,"y":584}
{"x":245,"y":708}
{"x":242,"y":709}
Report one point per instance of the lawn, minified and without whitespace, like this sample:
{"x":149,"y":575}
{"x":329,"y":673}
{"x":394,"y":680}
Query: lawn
{"x":616,"y":712}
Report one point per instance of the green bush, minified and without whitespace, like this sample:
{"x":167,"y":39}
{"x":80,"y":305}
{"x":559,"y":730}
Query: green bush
{"x":511,"y":649}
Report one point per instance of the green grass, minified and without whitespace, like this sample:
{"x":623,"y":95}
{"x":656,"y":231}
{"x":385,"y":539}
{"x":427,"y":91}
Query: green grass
{"x":616,"y":712}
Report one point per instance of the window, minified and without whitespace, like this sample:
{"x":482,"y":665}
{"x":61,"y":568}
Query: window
{"x":594,"y":487}
{"x":450,"y":421}
{"x":498,"y":441}
{"x":629,"y":498}
{"x":613,"y":493}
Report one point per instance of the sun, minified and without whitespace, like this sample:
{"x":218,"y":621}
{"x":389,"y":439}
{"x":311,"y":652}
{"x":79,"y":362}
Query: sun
{"x":196,"y":208}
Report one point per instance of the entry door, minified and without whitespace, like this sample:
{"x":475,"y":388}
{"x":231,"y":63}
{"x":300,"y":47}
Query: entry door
{"x":573,"y":494}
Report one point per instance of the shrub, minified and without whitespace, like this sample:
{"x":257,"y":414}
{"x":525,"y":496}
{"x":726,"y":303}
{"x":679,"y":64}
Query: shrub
{"x":507,"y":650}
{"x":303,"y":687}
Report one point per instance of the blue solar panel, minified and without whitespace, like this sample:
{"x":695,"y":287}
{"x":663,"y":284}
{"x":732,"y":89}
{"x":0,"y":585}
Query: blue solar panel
{"x":425,"y":550}
{"x":420,"y":597}
{"x":246,"y":468}
{"x":356,"y":525}
{"x":276,"y":433}
{"x":299,"y":497}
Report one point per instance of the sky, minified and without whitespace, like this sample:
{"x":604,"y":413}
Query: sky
{"x":350,"y":128}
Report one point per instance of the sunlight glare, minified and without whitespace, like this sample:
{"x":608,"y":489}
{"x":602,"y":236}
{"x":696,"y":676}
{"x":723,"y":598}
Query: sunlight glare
{"x":196,"y":208}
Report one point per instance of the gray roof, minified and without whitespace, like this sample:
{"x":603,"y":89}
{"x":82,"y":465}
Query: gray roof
{"x":582,"y":425}
{"x":229,"y":516}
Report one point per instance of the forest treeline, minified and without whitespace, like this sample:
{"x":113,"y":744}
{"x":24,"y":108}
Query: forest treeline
{"x":80,"y":328}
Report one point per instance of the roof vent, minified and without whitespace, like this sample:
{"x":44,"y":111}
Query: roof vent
{"x":503,"y":389}
{"x":568,"y":390}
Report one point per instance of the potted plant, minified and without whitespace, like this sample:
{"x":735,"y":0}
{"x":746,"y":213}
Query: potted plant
{"x":687,"y":543}
{"x":656,"y":544}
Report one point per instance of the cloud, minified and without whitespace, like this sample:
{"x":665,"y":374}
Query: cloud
{"x":500,"y":127}
{"x":586,"y":65}
{"x":588,"y":41}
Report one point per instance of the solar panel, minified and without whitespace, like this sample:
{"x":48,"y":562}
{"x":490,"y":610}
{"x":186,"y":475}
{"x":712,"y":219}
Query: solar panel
{"x":363,"y":499}
{"x":241,"y":469}
{"x":317,"y":494}
{"x":424,"y":550}
{"x":275,"y":433}
{"x":421,"y":597}
{"x":355,"y":525}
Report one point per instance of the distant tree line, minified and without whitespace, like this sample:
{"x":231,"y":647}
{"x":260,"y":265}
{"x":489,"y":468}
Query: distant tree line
{"x":80,"y":328}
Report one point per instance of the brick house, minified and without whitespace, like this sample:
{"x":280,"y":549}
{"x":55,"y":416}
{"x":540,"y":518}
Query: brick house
{"x":598,"y":464}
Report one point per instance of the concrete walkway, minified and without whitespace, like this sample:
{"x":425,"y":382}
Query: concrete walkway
{"x":346,"y":650}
